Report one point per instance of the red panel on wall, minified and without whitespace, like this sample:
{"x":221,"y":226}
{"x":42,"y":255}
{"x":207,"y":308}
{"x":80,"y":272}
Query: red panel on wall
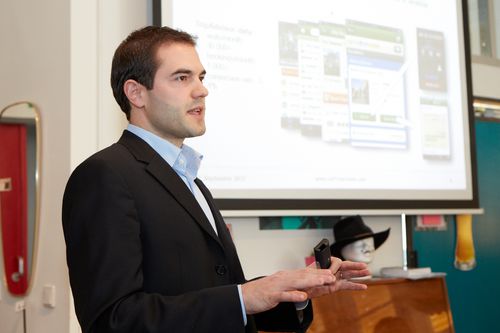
{"x":13,"y":206}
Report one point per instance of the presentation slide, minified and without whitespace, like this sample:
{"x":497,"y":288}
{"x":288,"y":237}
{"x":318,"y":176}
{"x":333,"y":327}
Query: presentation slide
{"x":358,"y":99}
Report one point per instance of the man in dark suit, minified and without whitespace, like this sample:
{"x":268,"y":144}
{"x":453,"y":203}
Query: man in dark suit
{"x":147,"y":249}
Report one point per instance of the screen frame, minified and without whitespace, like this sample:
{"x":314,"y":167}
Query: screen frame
{"x":290,"y":207}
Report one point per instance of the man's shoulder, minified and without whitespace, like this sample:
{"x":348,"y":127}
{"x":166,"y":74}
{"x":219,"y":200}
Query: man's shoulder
{"x":118,"y":152}
{"x":114,"y":153}
{"x":130,"y":154}
{"x":117,"y":156}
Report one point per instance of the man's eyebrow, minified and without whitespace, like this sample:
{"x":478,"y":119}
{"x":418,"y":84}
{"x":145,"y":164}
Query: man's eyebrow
{"x":186,"y":71}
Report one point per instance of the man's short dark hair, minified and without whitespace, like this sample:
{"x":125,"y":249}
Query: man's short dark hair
{"x":135,"y":59}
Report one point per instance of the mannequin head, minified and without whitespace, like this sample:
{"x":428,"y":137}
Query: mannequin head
{"x":355,"y":241}
{"x":360,"y":251}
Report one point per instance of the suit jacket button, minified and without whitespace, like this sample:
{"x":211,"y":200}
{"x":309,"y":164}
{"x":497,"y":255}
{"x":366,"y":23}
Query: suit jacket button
{"x":221,"y":269}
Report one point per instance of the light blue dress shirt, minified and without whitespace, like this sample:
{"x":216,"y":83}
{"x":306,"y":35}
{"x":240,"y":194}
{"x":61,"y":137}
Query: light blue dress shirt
{"x":185,"y":161}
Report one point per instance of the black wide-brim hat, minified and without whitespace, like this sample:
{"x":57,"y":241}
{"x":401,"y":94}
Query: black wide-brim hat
{"x":351,"y":229}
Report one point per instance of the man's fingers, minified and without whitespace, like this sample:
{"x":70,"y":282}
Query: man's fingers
{"x":336,"y":264}
{"x":292,"y":296}
{"x":345,"y":275}
{"x":351,"y":265}
{"x":320,"y":291}
{"x":307,"y":278}
{"x":349,"y":285}
{"x":361,"y":273}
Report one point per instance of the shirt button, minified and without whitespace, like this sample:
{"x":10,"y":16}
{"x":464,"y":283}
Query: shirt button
{"x":221,"y":269}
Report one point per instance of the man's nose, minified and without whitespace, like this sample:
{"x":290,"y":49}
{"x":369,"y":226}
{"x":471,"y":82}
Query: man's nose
{"x":200,"y":90}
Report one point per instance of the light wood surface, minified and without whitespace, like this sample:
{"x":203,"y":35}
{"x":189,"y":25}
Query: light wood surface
{"x":387,"y":306}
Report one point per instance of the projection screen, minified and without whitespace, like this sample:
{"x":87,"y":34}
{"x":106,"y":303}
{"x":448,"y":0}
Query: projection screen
{"x":333,"y":105}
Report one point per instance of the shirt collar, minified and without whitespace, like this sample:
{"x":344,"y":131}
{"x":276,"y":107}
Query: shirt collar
{"x":185,"y":160}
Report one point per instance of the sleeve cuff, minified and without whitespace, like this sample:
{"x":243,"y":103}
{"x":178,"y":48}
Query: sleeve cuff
{"x":301,"y":305}
{"x":243,"y":311}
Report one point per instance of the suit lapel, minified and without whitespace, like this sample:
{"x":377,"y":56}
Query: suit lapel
{"x":222,"y":230}
{"x":164,"y":174}
{"x":225,"y":238}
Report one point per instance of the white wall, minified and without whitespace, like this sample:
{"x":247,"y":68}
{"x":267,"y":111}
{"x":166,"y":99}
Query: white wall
{"x":57,"y":54}
{"x":97,"y":27}
{"x":34,"y":66}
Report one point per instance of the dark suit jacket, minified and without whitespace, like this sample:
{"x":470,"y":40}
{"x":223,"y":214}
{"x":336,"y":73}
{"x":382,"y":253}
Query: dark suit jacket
{"x":142,"y":256}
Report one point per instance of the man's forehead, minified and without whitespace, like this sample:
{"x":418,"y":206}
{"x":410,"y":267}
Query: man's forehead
{"x":178,"y":55}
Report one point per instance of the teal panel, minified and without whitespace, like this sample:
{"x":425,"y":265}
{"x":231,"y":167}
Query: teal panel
{"x":473,"y":295}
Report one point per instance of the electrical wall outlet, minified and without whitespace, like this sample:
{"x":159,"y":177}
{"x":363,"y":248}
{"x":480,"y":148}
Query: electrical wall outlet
{"x":49,"y":296}
{"x":19,"y":306}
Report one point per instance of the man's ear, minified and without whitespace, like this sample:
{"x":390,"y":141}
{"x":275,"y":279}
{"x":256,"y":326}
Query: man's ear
{"x":134,"y":92}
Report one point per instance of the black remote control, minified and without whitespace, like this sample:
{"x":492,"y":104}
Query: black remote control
{"x":322,"y":254}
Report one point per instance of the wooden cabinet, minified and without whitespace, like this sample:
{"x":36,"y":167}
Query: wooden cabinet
{"x":388,"y":305}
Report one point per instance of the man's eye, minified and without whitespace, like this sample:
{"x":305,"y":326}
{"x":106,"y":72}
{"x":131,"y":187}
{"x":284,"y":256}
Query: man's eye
{"x":181,"y":78}
{"x":202,"y":78}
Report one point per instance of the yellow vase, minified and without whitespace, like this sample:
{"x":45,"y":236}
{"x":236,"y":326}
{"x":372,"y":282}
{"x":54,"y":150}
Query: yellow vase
{"x":465,"y":258}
